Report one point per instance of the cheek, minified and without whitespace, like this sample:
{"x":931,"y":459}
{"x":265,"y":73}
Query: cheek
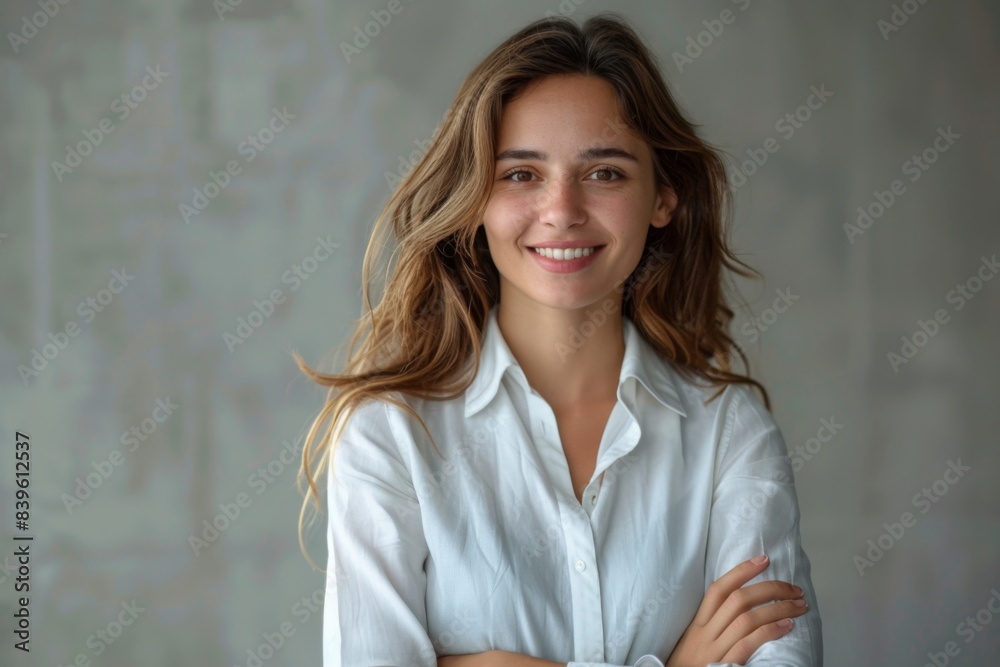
{"x":503,"y":220}
{"x":621,"y":216}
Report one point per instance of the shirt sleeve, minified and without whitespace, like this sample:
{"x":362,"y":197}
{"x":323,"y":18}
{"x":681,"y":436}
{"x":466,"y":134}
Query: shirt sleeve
{"x":375,"y":611}
{"x":755,"y":511}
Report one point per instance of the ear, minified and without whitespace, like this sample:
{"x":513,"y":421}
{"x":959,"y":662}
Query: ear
{"x":666,"y":202}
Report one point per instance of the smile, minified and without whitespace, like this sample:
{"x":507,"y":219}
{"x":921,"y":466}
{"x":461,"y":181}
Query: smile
{"x":566,"y":260}
{"x":565,"y":254}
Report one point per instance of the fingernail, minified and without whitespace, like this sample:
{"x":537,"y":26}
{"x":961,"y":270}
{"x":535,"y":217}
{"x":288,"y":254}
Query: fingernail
{"x":759,"y":559}
{"x":799,"y":603}
{"x":798,"y":591}
{"x":786,"y":623}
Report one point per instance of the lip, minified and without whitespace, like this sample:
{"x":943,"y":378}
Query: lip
{"x":566,"y":265}
{"x":566,"y":244}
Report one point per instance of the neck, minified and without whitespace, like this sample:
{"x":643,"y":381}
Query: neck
{"x":570,"y":358}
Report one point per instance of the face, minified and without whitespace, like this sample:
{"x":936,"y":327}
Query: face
{"x":569,"y":171}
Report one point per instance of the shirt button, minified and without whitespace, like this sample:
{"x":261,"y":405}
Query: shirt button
{"x":580,"y":566}
{"x":593,"y":500}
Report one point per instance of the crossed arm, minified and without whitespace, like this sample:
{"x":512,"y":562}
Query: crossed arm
{"x":379,"y":548}
{"x":732,"y":622}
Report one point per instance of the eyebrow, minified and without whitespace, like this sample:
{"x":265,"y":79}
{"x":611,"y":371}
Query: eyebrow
{"x":587,"y":154}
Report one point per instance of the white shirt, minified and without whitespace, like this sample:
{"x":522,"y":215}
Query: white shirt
{"x":488,"y":547}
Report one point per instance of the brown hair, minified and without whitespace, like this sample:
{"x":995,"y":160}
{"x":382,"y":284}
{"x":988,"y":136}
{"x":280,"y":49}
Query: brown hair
{"x":426,"y":329}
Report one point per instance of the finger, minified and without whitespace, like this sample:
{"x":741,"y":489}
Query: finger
{"x":719,"y":590}
{"x":743,"y":649}
{"x":744,"y":599}
{"x":750,"y":622}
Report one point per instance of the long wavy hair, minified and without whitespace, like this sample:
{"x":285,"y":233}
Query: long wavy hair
{"x":424,"y":336}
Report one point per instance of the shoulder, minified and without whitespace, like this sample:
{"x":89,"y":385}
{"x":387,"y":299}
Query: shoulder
{"x":733,"y":414}
{"x":746,"y":417}
{"x":731,"y":401}
{"x":366,"y":428}
{"x":369,"y":444}
{"x":381,"y":412}
{"x":369,"y":415}
{"x":391,"y":423}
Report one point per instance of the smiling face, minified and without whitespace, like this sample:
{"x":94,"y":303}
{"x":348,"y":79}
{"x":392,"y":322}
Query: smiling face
{"x":569,"y":172}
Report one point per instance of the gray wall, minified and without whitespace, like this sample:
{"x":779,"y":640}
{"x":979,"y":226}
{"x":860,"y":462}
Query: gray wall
{"x":64,"y":231}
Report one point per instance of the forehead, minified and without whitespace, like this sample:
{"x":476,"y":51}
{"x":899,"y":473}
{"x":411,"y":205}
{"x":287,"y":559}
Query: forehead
{"x":570,"y":111}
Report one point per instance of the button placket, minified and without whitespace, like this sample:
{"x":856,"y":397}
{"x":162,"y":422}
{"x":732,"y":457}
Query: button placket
{"x":585,"y":584}
{"x":590,"y":494}
{"x":581,"y":552}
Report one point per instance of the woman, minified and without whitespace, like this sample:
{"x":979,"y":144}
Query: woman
{"x":558,"y":465}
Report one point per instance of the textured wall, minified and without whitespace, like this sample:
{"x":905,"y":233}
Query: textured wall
{"x":113,"y":113}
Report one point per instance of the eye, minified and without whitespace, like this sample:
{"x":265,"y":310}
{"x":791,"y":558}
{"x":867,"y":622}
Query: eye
{"x":514,"y":172}
{"x":609,"y":172}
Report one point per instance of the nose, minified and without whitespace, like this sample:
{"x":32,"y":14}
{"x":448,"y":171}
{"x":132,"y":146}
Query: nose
{"x":560,"y":203}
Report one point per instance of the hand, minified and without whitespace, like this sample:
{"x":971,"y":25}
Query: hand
{"x":727,"y":628}
{"x":487,"y":659}
{"x":495,"y":659}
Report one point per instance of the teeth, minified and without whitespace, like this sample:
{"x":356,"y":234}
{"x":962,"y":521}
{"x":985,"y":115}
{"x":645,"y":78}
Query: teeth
{"x":568,"y":253}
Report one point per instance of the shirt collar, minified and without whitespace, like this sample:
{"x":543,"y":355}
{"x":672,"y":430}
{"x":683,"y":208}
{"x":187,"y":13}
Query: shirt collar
{"x":641,"y":361}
